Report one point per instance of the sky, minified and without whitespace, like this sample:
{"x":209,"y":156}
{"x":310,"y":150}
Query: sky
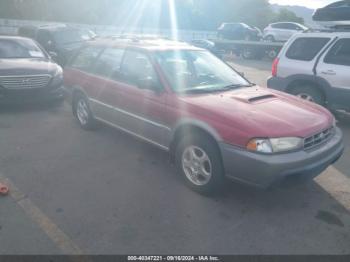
{"x":308,"y":3}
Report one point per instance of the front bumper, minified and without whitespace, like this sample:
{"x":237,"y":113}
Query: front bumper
{"x":26,"y":96}
{"x":263,"y":170}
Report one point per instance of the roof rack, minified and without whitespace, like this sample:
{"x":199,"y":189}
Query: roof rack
{"x":135,"y":37}
{"x":334,"y":29}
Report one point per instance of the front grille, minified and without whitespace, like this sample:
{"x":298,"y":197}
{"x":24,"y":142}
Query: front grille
{"x":319,"y":138}
{"x":25,"y":82}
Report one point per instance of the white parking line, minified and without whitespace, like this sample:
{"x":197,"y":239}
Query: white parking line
{"x":337,"y":185}
{"x":60,"y":239}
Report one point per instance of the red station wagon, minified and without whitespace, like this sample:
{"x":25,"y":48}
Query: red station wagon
{"x":215,"y":123}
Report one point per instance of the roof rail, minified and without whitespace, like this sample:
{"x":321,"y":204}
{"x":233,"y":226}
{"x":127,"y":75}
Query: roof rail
{"x":52,"y":25}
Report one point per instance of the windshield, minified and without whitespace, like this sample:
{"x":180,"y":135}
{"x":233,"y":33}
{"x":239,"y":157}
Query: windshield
{"x":72,"y":36}
{"x":191,"y":71}
{"x":19,"y":48}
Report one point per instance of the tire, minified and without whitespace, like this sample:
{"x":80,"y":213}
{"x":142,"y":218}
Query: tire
{"x":82,"y":112}
{"x":270,"y":38}
{"x":205,"y":173}
{"x":309,"y":93}
{"x":272,"y":54}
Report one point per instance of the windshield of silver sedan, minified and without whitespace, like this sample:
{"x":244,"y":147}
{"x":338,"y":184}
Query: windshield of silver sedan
{"x":191,"y":71}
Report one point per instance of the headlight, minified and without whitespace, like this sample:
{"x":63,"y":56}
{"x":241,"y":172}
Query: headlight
{"x":275,"y":145}
{"x":58,"y":76}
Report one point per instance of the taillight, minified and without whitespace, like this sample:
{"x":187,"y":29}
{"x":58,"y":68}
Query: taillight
{"x":275,"y":66}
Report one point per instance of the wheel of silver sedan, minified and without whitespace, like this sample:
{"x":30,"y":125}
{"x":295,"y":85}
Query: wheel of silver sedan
{"x":82,"y":112}
{"x":196,"y":165}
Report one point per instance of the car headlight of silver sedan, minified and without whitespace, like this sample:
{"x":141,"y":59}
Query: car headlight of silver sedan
{"x":275,"y":145}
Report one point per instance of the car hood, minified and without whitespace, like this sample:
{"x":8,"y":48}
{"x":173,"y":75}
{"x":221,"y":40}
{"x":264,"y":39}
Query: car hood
{"x":26,"y":66}
{"x":258,"y":112}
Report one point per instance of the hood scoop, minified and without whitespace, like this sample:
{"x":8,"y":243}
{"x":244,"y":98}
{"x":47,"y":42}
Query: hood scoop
{"x":259,"y":98}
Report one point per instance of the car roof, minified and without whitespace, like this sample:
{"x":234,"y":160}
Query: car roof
{"x":150,"y":44}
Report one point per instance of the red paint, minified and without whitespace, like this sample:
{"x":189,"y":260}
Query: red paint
{"x":234,"y":118}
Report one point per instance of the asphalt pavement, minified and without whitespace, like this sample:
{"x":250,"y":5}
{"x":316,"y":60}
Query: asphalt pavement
{"x":104,"y":192}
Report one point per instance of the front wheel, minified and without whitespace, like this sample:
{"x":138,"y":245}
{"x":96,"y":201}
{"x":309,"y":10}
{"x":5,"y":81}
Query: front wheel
{"x":310,"y":94}
{"x":199,"y":161}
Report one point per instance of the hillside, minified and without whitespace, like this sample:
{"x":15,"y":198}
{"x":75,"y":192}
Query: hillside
{"x":300,"y":11}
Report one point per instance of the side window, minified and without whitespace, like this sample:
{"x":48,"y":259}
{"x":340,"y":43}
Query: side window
{"x":339,"y":53}
{"x":109,"y":63}
{"x":85,"y":58}
{"x":279,"y":26}
{"x":306,"y":48}
{"x":137,"y":69}
{"x":291,"y":26}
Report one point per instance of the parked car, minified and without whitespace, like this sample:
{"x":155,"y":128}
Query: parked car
{"x":59,"y":40}
{"x":209,"y":45}
{"x":239,"y":31}
{"x":212,"y":121}
{"x":315,"y":66}
{"x":27,"y":73}
{"x":282,"y":31}
{"x":336,"y":14}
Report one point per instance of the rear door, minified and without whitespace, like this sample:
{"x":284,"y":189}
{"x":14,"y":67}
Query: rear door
{"x":79,"y":72}
{"x":136,"y":98}
{"x":299,"y":56}
{"x":280,"y":32}
{"x":334,"y":66}
{"x":105,"y":95}
{"x":291,"y":29}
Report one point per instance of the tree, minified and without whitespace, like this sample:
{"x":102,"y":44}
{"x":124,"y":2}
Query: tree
{"x":191,"y":14}
{"x":285,"y":15}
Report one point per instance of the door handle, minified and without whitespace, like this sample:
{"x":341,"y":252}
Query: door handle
{"x":329,"y":72}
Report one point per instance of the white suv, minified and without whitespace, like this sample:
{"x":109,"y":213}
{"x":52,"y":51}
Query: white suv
{"x":282,"y":31}
{"x":315,"y":67}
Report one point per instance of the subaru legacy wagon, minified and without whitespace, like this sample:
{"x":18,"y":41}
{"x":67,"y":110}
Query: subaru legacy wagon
{"x":214,"y":123}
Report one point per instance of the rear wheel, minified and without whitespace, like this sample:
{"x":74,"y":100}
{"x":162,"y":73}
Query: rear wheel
{"x":309,"y":93}
{"x":272,"y":54}
{"x":199,"y":161}
{"x":82,"y":112}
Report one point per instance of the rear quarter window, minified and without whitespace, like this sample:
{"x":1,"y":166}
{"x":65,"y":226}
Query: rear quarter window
{"x":306,"y":48}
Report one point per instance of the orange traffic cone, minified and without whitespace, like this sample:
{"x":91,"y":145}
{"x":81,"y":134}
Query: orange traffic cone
{"x":4,"y":190}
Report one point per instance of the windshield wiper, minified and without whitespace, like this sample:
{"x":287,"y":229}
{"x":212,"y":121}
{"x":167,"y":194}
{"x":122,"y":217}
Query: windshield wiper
{"x":234,"y":86}
{"x":213,"y":90}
